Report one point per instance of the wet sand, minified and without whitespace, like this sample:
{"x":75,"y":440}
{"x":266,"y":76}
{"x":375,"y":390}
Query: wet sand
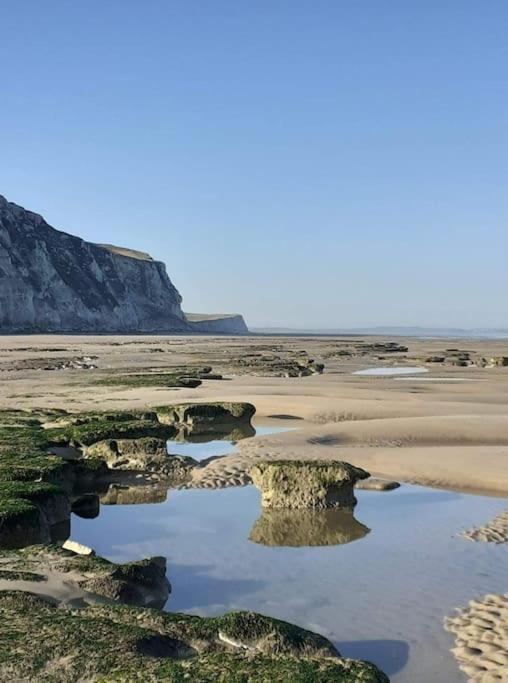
{"x":442,"y":433}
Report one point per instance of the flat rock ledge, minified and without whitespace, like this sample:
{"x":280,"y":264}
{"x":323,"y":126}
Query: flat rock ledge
{"x":496,"y":531}
{"x":303,"y":484}
{"x":481,"y":645}
{"x":85,"y":574}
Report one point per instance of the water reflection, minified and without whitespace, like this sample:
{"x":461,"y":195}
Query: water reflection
{"x":119,"y":494}
{"x":202,"y":447}
{"x":296,"y":528}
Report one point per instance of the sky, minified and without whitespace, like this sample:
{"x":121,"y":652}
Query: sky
{"x":308,"y":163}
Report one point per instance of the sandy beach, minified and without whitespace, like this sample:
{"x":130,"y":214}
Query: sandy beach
{"x":446,"y":428}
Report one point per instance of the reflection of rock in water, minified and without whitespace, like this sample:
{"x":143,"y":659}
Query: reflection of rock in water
{"x":221,"y":433}
{"x":86,"y":506}
{"x":295,"y":528}
{"x":118,"y":494}
{"x":481,"y":643}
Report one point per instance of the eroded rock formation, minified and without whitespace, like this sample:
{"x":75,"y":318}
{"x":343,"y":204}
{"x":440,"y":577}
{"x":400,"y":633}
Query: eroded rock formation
{"x":295,"y":484}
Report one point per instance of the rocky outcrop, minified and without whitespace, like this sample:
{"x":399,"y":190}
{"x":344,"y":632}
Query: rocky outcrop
{"x":297,"y":484}
{"x":51,"y":281}
{"x":115,"y":642}
{"x":32,"y":512}
{"x":77,"y":567}
{"x":141,"y":455}
{"x":204,"y":418}
{"x":217,"y":324}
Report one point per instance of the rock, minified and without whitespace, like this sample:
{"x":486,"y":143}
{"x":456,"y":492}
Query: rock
{"x":202,"y":418}
{"x":135,"y":583}
{"x":142,"y":455}
{"x":372,"y":484}
{"x":106,"y":642}
{"x":297,"y":484}
{"x":55,"y":282}
{"x":296,"y":528}
{"x":499,"y":361}
{"x":217,"y":323}
{"x":31,"y":512}
{"x":77,"y":548}
{"x":189,"y":382}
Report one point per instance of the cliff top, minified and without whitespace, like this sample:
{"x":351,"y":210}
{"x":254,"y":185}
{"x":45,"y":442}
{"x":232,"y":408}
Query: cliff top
{"x":129,"y":253}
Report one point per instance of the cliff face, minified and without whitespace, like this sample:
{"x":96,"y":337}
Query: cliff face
{"x":54,"y":282}
{"x":217,"y":324}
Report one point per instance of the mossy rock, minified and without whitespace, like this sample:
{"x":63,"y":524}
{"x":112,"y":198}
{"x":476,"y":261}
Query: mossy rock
{"x":304,"y":484}
{"x":28,"y":510}
{"x":173,"y":379}
{"x":203,"y":417}
{"x":112,"y":643}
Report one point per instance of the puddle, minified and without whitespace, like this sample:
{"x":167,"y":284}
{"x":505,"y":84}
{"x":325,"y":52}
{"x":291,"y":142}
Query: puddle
{"x":402,"y":370}
{"x":209,"y":446}
{"x":439,"y":379}
{"x":377,"y":584}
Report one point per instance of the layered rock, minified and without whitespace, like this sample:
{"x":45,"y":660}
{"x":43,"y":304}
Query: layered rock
{"x":77,"y":567}
{"x":143,"y":455}
{"x":220,"y":324}
{"x":295,"y":484}
{"x":51,"y":281}
{"x":203,"y":418}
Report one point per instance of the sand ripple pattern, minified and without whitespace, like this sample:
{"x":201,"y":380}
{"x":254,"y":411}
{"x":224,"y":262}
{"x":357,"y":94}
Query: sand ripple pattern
{"x":496,"y":531}
{"x":482,"y":638}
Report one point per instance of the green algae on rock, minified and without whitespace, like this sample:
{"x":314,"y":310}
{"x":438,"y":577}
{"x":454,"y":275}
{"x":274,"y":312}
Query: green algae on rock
{"x":147,"y":454}
{"x":142,"y":582}
{"x":206,"y":417}
{"x":117,"y":643}
{"x":297,"y":484}
{"x":99,"y":442}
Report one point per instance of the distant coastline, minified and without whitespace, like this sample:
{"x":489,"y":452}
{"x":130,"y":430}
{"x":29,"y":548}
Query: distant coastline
{"x":424,"y":332}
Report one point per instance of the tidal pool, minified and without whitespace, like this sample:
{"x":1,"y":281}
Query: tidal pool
{"x":402,"y":370}
{"x":205,"y":447}
{"x":377,"y":584}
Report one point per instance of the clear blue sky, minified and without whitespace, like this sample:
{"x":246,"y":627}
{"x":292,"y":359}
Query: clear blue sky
{"x":304,"y":162}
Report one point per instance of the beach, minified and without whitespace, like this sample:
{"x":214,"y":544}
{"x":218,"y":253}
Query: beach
{"x":446,"y":428}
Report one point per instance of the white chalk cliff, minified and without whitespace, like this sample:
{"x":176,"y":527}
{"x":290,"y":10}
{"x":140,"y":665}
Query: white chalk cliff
{"x":51,"y":281}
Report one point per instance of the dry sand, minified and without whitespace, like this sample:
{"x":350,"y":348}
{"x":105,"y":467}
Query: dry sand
{"x":440,"y":433}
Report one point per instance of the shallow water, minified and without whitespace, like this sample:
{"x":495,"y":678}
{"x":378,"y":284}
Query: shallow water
{"x":402,"y":370}
{"x":202,"y":450}
{"x":380,"y":593}
{"x":439,"y":379}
